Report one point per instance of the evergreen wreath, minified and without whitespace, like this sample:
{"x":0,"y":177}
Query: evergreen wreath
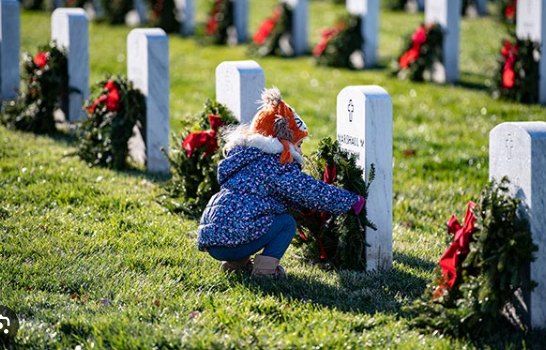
{"x":481,"y":272}
{"x":116,"y":10}
{"x":45,"y":79}
{"x":336,"y":241}
{"x":508,"y":11}
{"x":194,"y":163}
{"x":274,"y":35}
{"x":517,"y":77}
{"x":112,"y":115}
{"x":220,"y":25}
{"x":341,"y":45}
{"x":423,"y":55}
{"x":164,"y":15}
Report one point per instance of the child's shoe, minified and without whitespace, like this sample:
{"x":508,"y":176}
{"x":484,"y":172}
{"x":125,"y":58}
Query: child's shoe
{"x":267,"y":266}
{"x":238,"y":265}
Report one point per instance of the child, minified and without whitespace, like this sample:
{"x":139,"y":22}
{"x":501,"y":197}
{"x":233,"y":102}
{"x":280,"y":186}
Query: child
{"x":260,"y":180}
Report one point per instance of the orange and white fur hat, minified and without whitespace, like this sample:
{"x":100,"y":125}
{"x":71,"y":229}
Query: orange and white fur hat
{"x":276,"y":129}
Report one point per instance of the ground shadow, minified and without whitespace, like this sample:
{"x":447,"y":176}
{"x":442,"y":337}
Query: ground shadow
{"x":362,"y":292}
{"x":473,"y":81}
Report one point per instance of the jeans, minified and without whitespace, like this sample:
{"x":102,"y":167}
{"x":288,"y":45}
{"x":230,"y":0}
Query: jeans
{"x":274,"y":243}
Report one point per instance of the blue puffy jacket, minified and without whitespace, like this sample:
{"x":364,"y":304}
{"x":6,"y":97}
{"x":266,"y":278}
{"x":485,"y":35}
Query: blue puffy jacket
{"x":255,"y":187}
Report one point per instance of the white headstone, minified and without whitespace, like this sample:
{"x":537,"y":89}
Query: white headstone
{"x":299,"y":26}
{"x":142,"y":10}
{"x":69,"y":28}
{"x":186,"y":11}
{"x":10,"y":42}
{"x":481,"y":6}
{"x":148,"y":69}
{"x":364,"y":128}
{"x":518,"y":151}
{"x":239,"y":85}
{"x":447,"y":13}
{"x":531,"y":24}
{"x":369,"y":11}
{"x":240,"y":17}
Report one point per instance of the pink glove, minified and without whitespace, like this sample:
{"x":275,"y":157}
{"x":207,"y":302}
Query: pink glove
{"x":359,"y":205}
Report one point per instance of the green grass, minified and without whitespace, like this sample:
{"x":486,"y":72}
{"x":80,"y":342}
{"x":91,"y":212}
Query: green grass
{"x":88,"y":257}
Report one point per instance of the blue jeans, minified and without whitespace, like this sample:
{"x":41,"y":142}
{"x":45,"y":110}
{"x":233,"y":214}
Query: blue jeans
{"x":274,"y":243}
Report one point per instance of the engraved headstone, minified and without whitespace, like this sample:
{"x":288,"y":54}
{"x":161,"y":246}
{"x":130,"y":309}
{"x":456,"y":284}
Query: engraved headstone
{"x":10,"y":43}
{"x":369,"y":12}
{"x":239,"y":85}
{"x":531,"y":24}
{"x":446,"y":13}
{"x":70,"y":29}
{"x":148,"y":69}
{"x":365,"y":129}
{"x":518,"y":150}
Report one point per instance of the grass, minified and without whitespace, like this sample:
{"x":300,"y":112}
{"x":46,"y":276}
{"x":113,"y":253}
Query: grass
{"x":87,"y":257}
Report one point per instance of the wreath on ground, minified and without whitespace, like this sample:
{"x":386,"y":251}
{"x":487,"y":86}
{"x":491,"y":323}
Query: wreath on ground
{"x":508,"y":11}
{"x":274,"y":35}
{"x":518,"y":73}
{"x":116,"y":10}
{"x":164,"y":15}
{"x":341,"y":45}
{"x":45,"y":79}
{"x":422,"y":57}
{"x":112,"y":114}
{"x":336,"y":241}
{"x":481,"y":272}
{"x":220,"y":26}
{"x":194,"y":163}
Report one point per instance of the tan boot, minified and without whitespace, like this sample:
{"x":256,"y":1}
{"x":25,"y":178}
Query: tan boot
{"x":238,"y":265}
{"x":267,"y":266}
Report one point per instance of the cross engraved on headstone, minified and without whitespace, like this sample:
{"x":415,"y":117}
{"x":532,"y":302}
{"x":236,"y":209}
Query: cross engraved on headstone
{"x":351,"y":109}
{"x":509,"y":146}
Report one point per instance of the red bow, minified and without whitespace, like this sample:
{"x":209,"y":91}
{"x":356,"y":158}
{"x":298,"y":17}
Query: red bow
{"x":40,"y":59}
{"x":212,"y":23}
{"x":110,"y":98}
{"x":510,"y":10}
{"x":267,"y":27}
{"x":418,"y":38}
{"x":205,"y":139}
{"x":326,"y":36}
{"x":215,"y":121}
{"x":330,"y":174}
{"x":509,"y":52}
{"x":457,"y":251}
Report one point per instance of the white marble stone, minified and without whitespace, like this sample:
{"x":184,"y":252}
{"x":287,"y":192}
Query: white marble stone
{"x":142,"y":10}
{"x":70,"y":29}
{"x":186,"y":14}
{"x":531,"y":24}
{"x":240,"y":18}
{"x":447,"y":13}
{"x":481,"y":6}
{"x":239,"y":85}
{"x":369,"y":11}
{"x":298,"y":38}
{"x":518,"y":151}
{"x":148,"y":69}
{"x":10,"y":42}
{"x":365,"y":128}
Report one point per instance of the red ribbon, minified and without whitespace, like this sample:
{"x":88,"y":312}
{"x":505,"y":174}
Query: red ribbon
{"x":456,"y":253}
{"x":212,"y":23}
{"x":509,"y":52}
{"x":267,"y":27}
{"x":418,"y":38}
{"x":326,"y":36}
{"x":330,"y":174}
{"x":215,"y":121}
{"x":206,"y":139}
{"x":41,"y":59}
{"x":110,"y":98}
{"x":510,"y":10}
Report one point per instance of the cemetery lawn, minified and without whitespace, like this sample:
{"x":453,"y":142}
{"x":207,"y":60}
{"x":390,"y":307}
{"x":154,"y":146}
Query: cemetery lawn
{"x":88,"y":257}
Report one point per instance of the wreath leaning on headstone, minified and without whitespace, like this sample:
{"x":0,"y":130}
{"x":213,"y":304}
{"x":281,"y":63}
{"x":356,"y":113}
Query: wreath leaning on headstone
{"x":45,"y":80}
{"x":336,"y":241}
{"x":341,"y":45}
{"x":274,"y":35}
{"x":518,"y":75}
{"x":112,"y":114}
{"x":482,"y":272}
{"x":423,"y":55}
{"x":508,"y":11}
{"x":220,"y":25}
{"x":194,"y":162}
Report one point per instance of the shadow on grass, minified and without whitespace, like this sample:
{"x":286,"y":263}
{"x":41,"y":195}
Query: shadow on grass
{"x":473,"y":81}
{"x":363,"y":292}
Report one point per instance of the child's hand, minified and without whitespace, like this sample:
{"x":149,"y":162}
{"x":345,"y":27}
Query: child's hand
{"x":359,"y":205}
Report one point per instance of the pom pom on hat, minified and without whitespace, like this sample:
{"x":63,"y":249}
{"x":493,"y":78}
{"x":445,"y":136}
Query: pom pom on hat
{"x":277,"y":119}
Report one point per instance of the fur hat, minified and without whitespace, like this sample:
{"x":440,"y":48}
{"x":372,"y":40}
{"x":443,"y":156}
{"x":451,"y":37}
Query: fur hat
{"x":277,"y":119}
